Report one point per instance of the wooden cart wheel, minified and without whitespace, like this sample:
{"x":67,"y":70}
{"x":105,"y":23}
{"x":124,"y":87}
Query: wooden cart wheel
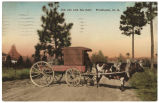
{"x":73,"y":77}
{"x":41,"y":74}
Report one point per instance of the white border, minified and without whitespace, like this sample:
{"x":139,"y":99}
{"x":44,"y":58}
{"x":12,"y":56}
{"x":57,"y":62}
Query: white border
{"x":65,"y":1}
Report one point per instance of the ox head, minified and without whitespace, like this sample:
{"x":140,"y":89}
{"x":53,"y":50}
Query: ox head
{"x":139,"y":66}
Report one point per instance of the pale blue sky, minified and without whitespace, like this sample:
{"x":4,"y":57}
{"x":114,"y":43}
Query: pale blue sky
{"x":27,"y":14}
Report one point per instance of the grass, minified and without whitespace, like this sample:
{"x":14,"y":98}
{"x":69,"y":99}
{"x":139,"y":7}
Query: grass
{"x":146,"y":82}
{"x":11,"y":74}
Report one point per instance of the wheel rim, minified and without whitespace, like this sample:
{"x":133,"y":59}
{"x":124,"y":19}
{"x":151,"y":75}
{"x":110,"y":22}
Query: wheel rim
{"x":41,"y":74}
{"x":73,"y":77}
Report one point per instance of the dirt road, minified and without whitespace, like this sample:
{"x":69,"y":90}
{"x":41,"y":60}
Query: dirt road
{"x":24,"y":90}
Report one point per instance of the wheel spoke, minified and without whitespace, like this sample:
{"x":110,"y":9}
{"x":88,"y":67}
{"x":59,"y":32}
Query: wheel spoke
{"x":73,"y":77}
{"x":58,"y":77}
{"x":36,"y":75}
{"x":36,"y":71}
{"x":41,"y":74}
{"x":38,"y":66}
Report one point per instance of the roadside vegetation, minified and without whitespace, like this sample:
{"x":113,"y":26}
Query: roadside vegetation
{"x":12,"y":74}
{"x":98,"y":57}
{"x":146,"y":84}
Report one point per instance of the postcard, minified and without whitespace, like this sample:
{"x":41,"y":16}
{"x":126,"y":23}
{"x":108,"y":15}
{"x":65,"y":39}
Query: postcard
{"x":79,"y":51}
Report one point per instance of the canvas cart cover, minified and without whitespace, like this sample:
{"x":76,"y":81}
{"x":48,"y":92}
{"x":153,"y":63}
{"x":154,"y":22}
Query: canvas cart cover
{"x":74,"y":55}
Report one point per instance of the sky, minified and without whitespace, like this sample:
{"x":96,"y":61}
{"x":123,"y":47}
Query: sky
{"x":98,"y":30}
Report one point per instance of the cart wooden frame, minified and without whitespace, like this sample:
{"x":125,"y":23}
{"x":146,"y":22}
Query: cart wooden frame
{"x":43,"y":73}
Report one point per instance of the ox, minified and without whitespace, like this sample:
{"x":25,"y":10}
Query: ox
{"x":130,"y":68}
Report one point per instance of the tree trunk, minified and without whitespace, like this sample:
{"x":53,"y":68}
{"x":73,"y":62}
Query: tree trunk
{"x":152,"y":45}
{"x":56,"y":56}
{"x":133,"y":44}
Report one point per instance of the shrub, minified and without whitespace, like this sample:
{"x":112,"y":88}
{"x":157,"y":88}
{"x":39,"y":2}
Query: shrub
{"x":98,"y":57}
{"x":146,"y":84}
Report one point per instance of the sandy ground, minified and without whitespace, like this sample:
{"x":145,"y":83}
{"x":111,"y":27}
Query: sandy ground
{"x":24,"y":90}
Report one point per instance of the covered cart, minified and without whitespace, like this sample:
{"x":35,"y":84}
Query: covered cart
{"x":76,"y":62}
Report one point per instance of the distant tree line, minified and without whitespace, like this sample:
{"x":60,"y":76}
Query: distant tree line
{"x":20,"y":63}
{"x":98,"y":57}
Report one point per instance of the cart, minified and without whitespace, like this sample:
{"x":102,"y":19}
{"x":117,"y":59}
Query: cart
{"x":76,"y":65}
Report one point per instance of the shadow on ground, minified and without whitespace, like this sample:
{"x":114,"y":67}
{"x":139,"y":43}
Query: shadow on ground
{"x":116,"y":87}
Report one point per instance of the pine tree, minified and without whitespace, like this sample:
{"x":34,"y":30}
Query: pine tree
{"x":37,"y":56}
{"x":55,"y":33}
{"x":20,"y":62}
{"x":132,"y":21}
{"x":150,"y":9}
{"x":8,"y":61}
{"x":28,"y":63}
